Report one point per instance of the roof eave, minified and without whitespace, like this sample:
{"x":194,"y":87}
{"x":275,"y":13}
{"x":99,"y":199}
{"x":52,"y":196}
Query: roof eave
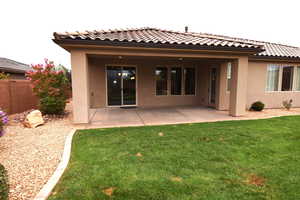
{"x":274,"y":58}
{"x":63,"y":42}
{"x":16,"y":71}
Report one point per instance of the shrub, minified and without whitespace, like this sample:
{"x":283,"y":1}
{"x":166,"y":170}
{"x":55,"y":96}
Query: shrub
{"x":3,"y":183}
{"x":3,"y":121}
{"x":3,"y":76}
{"x":50,"y":86}
{"x":257,"y":106}
{"x":288,"y":104}
{"x":52,"y":105}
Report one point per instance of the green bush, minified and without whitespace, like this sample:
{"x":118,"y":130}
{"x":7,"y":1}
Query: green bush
{"x":3,"y":184}
{"x":52,"y":105}
{"x":257,"y":106}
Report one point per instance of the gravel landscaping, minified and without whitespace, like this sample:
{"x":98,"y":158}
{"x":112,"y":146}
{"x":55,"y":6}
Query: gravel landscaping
{"x":30,"y":156}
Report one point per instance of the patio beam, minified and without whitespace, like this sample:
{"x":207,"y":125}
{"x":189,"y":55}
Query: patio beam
{"x":238,"y":92}
{"x":80,"y":87}
{"x":160,"y":53}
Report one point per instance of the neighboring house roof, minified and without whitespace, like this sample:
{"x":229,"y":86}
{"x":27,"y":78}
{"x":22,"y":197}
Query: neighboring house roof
{"x":187,"y":39}
{"x":12,"y":66}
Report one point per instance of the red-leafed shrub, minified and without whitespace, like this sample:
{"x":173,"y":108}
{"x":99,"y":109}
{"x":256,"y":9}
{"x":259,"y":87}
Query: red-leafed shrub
{"x":50,"y":86}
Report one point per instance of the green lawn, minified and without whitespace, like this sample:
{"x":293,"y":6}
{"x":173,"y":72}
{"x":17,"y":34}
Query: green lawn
{"x":258,"y":159}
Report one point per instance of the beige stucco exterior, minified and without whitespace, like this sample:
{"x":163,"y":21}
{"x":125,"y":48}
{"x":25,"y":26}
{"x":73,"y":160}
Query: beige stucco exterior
{"x":146,"y":86}
{"x":248,"y":80}
{"x":257,"y":78}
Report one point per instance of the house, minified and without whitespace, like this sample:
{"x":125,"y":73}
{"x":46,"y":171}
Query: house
{"x":16,"y":70}
{"x":150,"y":67}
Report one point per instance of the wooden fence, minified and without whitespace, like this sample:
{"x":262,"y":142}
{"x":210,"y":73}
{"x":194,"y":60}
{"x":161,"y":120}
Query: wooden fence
{"x":16,"y":96}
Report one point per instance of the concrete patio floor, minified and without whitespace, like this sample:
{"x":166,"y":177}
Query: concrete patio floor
{"x":120,"y":117}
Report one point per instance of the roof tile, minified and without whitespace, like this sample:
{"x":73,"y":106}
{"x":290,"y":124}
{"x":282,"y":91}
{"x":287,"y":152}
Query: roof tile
{"x":159,"y":36}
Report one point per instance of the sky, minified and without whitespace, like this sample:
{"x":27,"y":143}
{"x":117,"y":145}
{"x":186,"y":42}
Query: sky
{"x":26,"y":27}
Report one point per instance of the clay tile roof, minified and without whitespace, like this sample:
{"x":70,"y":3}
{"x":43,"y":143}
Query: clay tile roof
{"x":270,"y":49}
{"x":160,"y":36}
{"x":155,"y":36}
{"x":9,"y":65}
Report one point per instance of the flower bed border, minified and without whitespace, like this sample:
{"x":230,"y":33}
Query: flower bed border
{"x":47,"y":189}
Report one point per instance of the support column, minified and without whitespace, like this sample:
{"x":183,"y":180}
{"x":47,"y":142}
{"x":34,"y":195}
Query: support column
{"x":223,"y":98}
{"x":238,"y":93}
{"x":80,"y":87}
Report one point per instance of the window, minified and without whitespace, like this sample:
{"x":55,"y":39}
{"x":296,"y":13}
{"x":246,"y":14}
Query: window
{"x":298,"y":79}
{"x":273,"y":78}
{"x":176,"y":80}
{"x":161,"y":74}
{"x":189,"y":81}
{"x":229,"y":71}
{"x":287,"y":79}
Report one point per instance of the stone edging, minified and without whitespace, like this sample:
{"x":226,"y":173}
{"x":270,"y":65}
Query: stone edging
{"x":46,"y":190}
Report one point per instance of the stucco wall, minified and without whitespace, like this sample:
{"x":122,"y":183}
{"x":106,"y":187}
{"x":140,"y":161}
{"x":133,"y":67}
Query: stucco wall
{"x":146,"y":82}
{"x":257,"y":77}
{"x":257,"y":74}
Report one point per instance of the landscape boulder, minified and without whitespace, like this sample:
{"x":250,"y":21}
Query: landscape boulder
{"x":34,"y":119}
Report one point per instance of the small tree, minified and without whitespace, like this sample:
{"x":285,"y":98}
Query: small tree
{"x":50,"y":86}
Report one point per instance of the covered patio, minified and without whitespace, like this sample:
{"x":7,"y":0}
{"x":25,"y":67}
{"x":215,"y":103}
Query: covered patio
{"x":177,"y":71}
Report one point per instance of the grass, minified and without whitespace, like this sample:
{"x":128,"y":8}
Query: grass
{"x":256,"y":159}
{"x":3,"y":183}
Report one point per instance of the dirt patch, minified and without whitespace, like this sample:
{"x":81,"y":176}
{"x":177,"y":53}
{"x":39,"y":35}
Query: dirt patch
{"x":256,"y":180}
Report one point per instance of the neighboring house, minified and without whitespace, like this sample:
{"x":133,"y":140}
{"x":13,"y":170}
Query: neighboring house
{"x":150,"y":67}
{"x":16,"y":70}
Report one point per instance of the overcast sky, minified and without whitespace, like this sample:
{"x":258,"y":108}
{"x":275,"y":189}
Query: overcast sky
{"x":26,"y":27}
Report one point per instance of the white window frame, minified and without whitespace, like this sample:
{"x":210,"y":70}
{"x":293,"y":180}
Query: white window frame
{"x":267,"y":76}
{"x":295,"y":78}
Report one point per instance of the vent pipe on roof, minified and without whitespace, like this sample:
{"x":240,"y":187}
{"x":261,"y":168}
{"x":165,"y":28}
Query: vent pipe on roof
{"x":186,"y":29}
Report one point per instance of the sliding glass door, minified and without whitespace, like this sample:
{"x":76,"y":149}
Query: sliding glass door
{"x":121,"y":86}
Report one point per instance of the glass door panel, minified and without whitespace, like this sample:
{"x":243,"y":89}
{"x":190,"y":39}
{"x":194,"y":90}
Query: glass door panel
{"x":114,"y":86}
{"x":121,"y":86}
{"x":129,"y":85}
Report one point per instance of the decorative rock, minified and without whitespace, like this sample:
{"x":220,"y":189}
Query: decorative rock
{"x":33,"y":119}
